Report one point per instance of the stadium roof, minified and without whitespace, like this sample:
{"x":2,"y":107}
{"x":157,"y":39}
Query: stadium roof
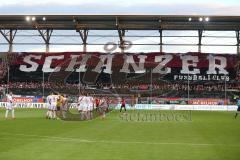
{"x":123,"y":22}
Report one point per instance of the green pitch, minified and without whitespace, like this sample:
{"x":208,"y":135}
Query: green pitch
{"x":209,"y":135}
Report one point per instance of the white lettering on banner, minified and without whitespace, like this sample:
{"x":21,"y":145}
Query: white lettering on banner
{"x":198,"y":67}
{"x":28,"y":60}
{"x":202,"y":77}
{"x":186,"y":107}
{"x":74,"y":62}
{"x":213,"y":65}
{"x":160,"y":68}
{"x":22,"y":100}
{"x":101,"y":64}
{"x":188,"y":61}
{"x":25,"y":105}
{"x":48,"y":62}
{"x":130,"y":61}
{"x":83,"y":64}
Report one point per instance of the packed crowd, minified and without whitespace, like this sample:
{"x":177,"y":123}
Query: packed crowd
{"x":161,"y":86}
{"x":176,"y":86}
{"x":36,"y":85}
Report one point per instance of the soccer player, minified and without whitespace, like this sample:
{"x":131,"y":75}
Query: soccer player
{"x":9,"y":105}
{"x":90,"y":107}
{"x":64,"y":106}
{"x":81,"y":106}
{"x":49,"y":112}
{"x":97,"y":102}
{"x":123,"y":105}
{"x":59,"y":104}
{"x":103,"y":107}
{"x":54,"y":99}
{"x":238,"y":109}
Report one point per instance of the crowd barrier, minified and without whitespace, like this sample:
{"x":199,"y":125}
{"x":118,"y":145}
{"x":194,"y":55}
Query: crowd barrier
{"x":140,"y":106}
{"x":186,"y":107}
{"x":25,"y":105}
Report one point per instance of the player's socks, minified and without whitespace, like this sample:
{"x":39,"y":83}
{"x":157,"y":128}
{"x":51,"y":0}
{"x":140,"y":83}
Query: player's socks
{"x":6,"y":114}
{"x":236,"y":115}
{"x":50,"y":114}
{"x":54,"y":114}
{"x":13,"y":116}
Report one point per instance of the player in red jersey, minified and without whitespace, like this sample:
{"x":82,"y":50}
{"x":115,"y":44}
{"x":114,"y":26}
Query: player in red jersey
{"x":123,"y":105}
{"x":97,"y":102}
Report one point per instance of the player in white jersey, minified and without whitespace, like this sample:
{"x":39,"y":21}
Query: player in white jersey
{"x":9,"y":105}
{"x":87,"y":104}
{"x":64,"y":106}
{"x":86,"y":108}
{"x":90,"y":107}
{"x":81,"y":106}
{"x":49,"y":112}
{"x":54,"y":99}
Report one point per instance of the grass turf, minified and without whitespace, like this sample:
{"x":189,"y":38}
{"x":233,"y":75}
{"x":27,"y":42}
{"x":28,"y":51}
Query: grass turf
{"x":210,"y":135}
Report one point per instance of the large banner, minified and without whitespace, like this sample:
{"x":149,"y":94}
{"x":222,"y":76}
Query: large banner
{"x":173,"y":67}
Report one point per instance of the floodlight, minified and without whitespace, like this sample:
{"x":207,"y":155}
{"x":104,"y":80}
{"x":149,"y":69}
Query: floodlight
{"x":27,"y":18}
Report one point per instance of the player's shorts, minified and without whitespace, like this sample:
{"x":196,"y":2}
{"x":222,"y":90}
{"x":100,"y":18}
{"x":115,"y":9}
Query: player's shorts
{"x":83,"y":107}
{"x":53,"y":106}
{"x":9,"y":106}
{"x":123,"y":106}
{"x":58,"y":108}
{"x":80,"y":108}
{"x":88,"y":108}
{"x":238,"y":109}
{"x":102,"y":108}
{"x":91,"y":107}
{"x":65,"y":108}
{"x":49,"y":106}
